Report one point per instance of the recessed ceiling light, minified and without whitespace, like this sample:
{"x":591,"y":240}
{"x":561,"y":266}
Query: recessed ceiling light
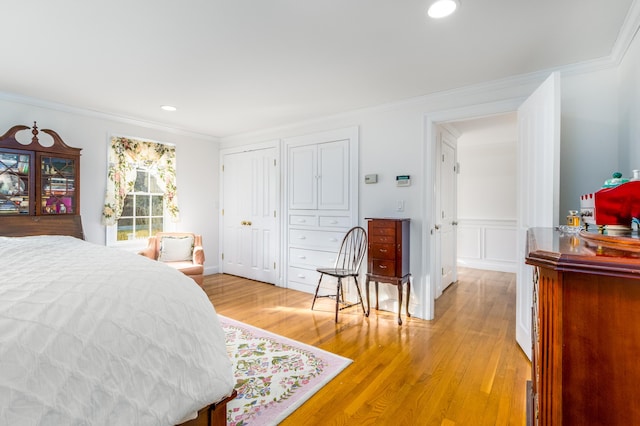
{"x":168,"y":108}
{"x":442,"y":8}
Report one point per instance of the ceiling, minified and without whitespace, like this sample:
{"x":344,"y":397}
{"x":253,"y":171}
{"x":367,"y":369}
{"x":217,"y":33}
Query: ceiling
{"x":235,"y":66}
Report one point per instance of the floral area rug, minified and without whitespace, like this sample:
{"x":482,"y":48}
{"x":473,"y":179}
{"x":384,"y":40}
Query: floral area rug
{"x":274,"y":374}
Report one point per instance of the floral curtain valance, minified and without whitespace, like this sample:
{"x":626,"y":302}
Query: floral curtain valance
{"x":125,"y":157}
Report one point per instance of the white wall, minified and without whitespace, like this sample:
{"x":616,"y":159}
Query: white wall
{"x":196,"y":165}
{"x":629,"y":73}
{"x":487,"y":192}
{"x":589,"y":142}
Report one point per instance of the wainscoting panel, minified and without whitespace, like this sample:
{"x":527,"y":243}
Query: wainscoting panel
{"x":487,"y":244}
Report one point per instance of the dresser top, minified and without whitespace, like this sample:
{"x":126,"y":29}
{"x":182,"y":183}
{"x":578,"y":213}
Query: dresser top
{"x":587,"y":252}
{"x":399,"y":219}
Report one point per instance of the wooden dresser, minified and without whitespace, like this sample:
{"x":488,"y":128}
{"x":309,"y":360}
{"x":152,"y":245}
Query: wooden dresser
{"x":388,"y":257}
{"x":586,"y":329}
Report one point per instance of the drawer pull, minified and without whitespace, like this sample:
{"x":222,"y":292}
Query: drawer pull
{"x":383,"y":266}
{"x":301,"y":276}
{"x":302,"y":237}
{"x":302,"y":220}
{"x":333,"y":222}
{"x":302,"y":257}
{"x":383,"y":250}
{"x":333,"y":240}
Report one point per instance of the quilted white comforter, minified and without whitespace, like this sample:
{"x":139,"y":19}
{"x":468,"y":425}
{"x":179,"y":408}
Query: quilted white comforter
{"x":91,"y":335}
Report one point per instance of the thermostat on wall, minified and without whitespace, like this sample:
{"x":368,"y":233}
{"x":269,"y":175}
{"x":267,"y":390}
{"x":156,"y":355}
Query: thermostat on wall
{"x":403,"y":180}
{"x":371,"y":179}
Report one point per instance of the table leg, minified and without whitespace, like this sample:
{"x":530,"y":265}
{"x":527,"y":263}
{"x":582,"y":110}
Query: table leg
{"x":377,"y":306}
{"x":408,"y":295}
{"x":399,"y":301}
{"x":368,"y":302}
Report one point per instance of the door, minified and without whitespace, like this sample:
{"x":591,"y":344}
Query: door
{"x":538,"y":186}
{"x":251,"y":243}
{"x":448,"y":215}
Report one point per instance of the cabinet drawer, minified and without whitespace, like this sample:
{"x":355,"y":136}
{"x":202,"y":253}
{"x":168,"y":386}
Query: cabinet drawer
{"x":382,"y":251}
{"x":311,"y":258}
{"x":386,"y":268}
{"x":304,"y":276}
{"x":335,"y":221}
{"x":309,"y":238}
{"x":303,"y":219}
{"x":385,"y":239}
{"x":382,"y":230}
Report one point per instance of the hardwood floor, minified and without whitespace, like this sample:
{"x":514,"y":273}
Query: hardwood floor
{"x":463,"y":368}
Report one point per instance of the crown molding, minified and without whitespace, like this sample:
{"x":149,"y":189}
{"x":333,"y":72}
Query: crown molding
{"x":55,"y":106}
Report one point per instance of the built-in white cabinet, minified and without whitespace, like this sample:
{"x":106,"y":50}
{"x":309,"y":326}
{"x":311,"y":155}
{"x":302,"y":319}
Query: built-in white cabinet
{"x":320,"y":176}
{"x":321,"y":200}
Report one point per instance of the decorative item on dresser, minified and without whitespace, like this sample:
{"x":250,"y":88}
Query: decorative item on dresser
{"x":388,"y":258}
{"x":585,"y":328}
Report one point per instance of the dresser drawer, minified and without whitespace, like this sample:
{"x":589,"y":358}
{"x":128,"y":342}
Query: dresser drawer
{"x":311,"y":258}
{"x":383,"y":230}
{"x":386,"y":268}
{"x":385,"y":239}
{"x":303,"y":220}
{"x":308,"y":277}
{"x":309,"y":238}
{"x":382,"y":251}
{"x":335,"y":221}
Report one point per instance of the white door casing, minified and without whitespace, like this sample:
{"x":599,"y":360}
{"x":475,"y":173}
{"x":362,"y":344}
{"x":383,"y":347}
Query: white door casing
{"x":250,"y":217}
{"x":538,"y":186}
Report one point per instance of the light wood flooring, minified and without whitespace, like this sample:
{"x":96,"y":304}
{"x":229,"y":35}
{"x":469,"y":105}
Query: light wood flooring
{"x":463,"y":368}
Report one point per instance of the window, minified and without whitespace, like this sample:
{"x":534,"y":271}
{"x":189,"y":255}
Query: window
{"x":141,"y":190}
{"x":143,"y":210}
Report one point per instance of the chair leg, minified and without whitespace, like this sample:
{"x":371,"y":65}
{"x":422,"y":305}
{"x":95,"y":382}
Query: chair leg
{"x":315,"y":296}
{"x":338,"y":297}
{"x":359,"y":295}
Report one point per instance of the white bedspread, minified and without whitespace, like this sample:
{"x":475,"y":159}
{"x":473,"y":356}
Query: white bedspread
{"x":91,"y":335}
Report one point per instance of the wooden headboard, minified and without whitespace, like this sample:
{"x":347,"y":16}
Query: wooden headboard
{"x":26,"y":226}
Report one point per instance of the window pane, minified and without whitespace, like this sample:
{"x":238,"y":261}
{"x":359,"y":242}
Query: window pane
{"x":143,"y":205}
{"x":142,"y":228}
{"x":155,"y":188}
{"x":127,"y":209}
{"x":141,"y":182}
{"x":125,"y":229}
{"x":156,"y":225}
{"x":156,"y":205}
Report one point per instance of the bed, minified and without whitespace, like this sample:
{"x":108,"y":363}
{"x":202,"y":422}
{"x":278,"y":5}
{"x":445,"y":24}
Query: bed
{"x":96,"y":335}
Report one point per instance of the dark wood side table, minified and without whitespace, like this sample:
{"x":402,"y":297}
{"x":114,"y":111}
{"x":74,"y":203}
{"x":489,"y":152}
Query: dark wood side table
{"x":388,"y":257}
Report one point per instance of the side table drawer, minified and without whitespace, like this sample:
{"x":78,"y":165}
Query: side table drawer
{"x":386,"y":268}
{"x":382,"y":251}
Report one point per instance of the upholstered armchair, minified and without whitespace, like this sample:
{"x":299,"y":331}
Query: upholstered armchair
{"x":180,"y":250}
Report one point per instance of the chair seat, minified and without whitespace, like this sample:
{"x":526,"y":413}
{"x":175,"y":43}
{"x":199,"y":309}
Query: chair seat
{"x":338,"y":272}
{"x":187,"y":267}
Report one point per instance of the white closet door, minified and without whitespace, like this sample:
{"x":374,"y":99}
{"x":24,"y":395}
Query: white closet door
{"x":251,"y":241}
{"x":303,"y":189}
{"x":333,"y":175}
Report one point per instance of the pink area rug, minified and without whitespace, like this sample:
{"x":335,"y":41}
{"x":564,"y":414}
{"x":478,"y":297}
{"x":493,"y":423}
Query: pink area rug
{"x":274,"y":374}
